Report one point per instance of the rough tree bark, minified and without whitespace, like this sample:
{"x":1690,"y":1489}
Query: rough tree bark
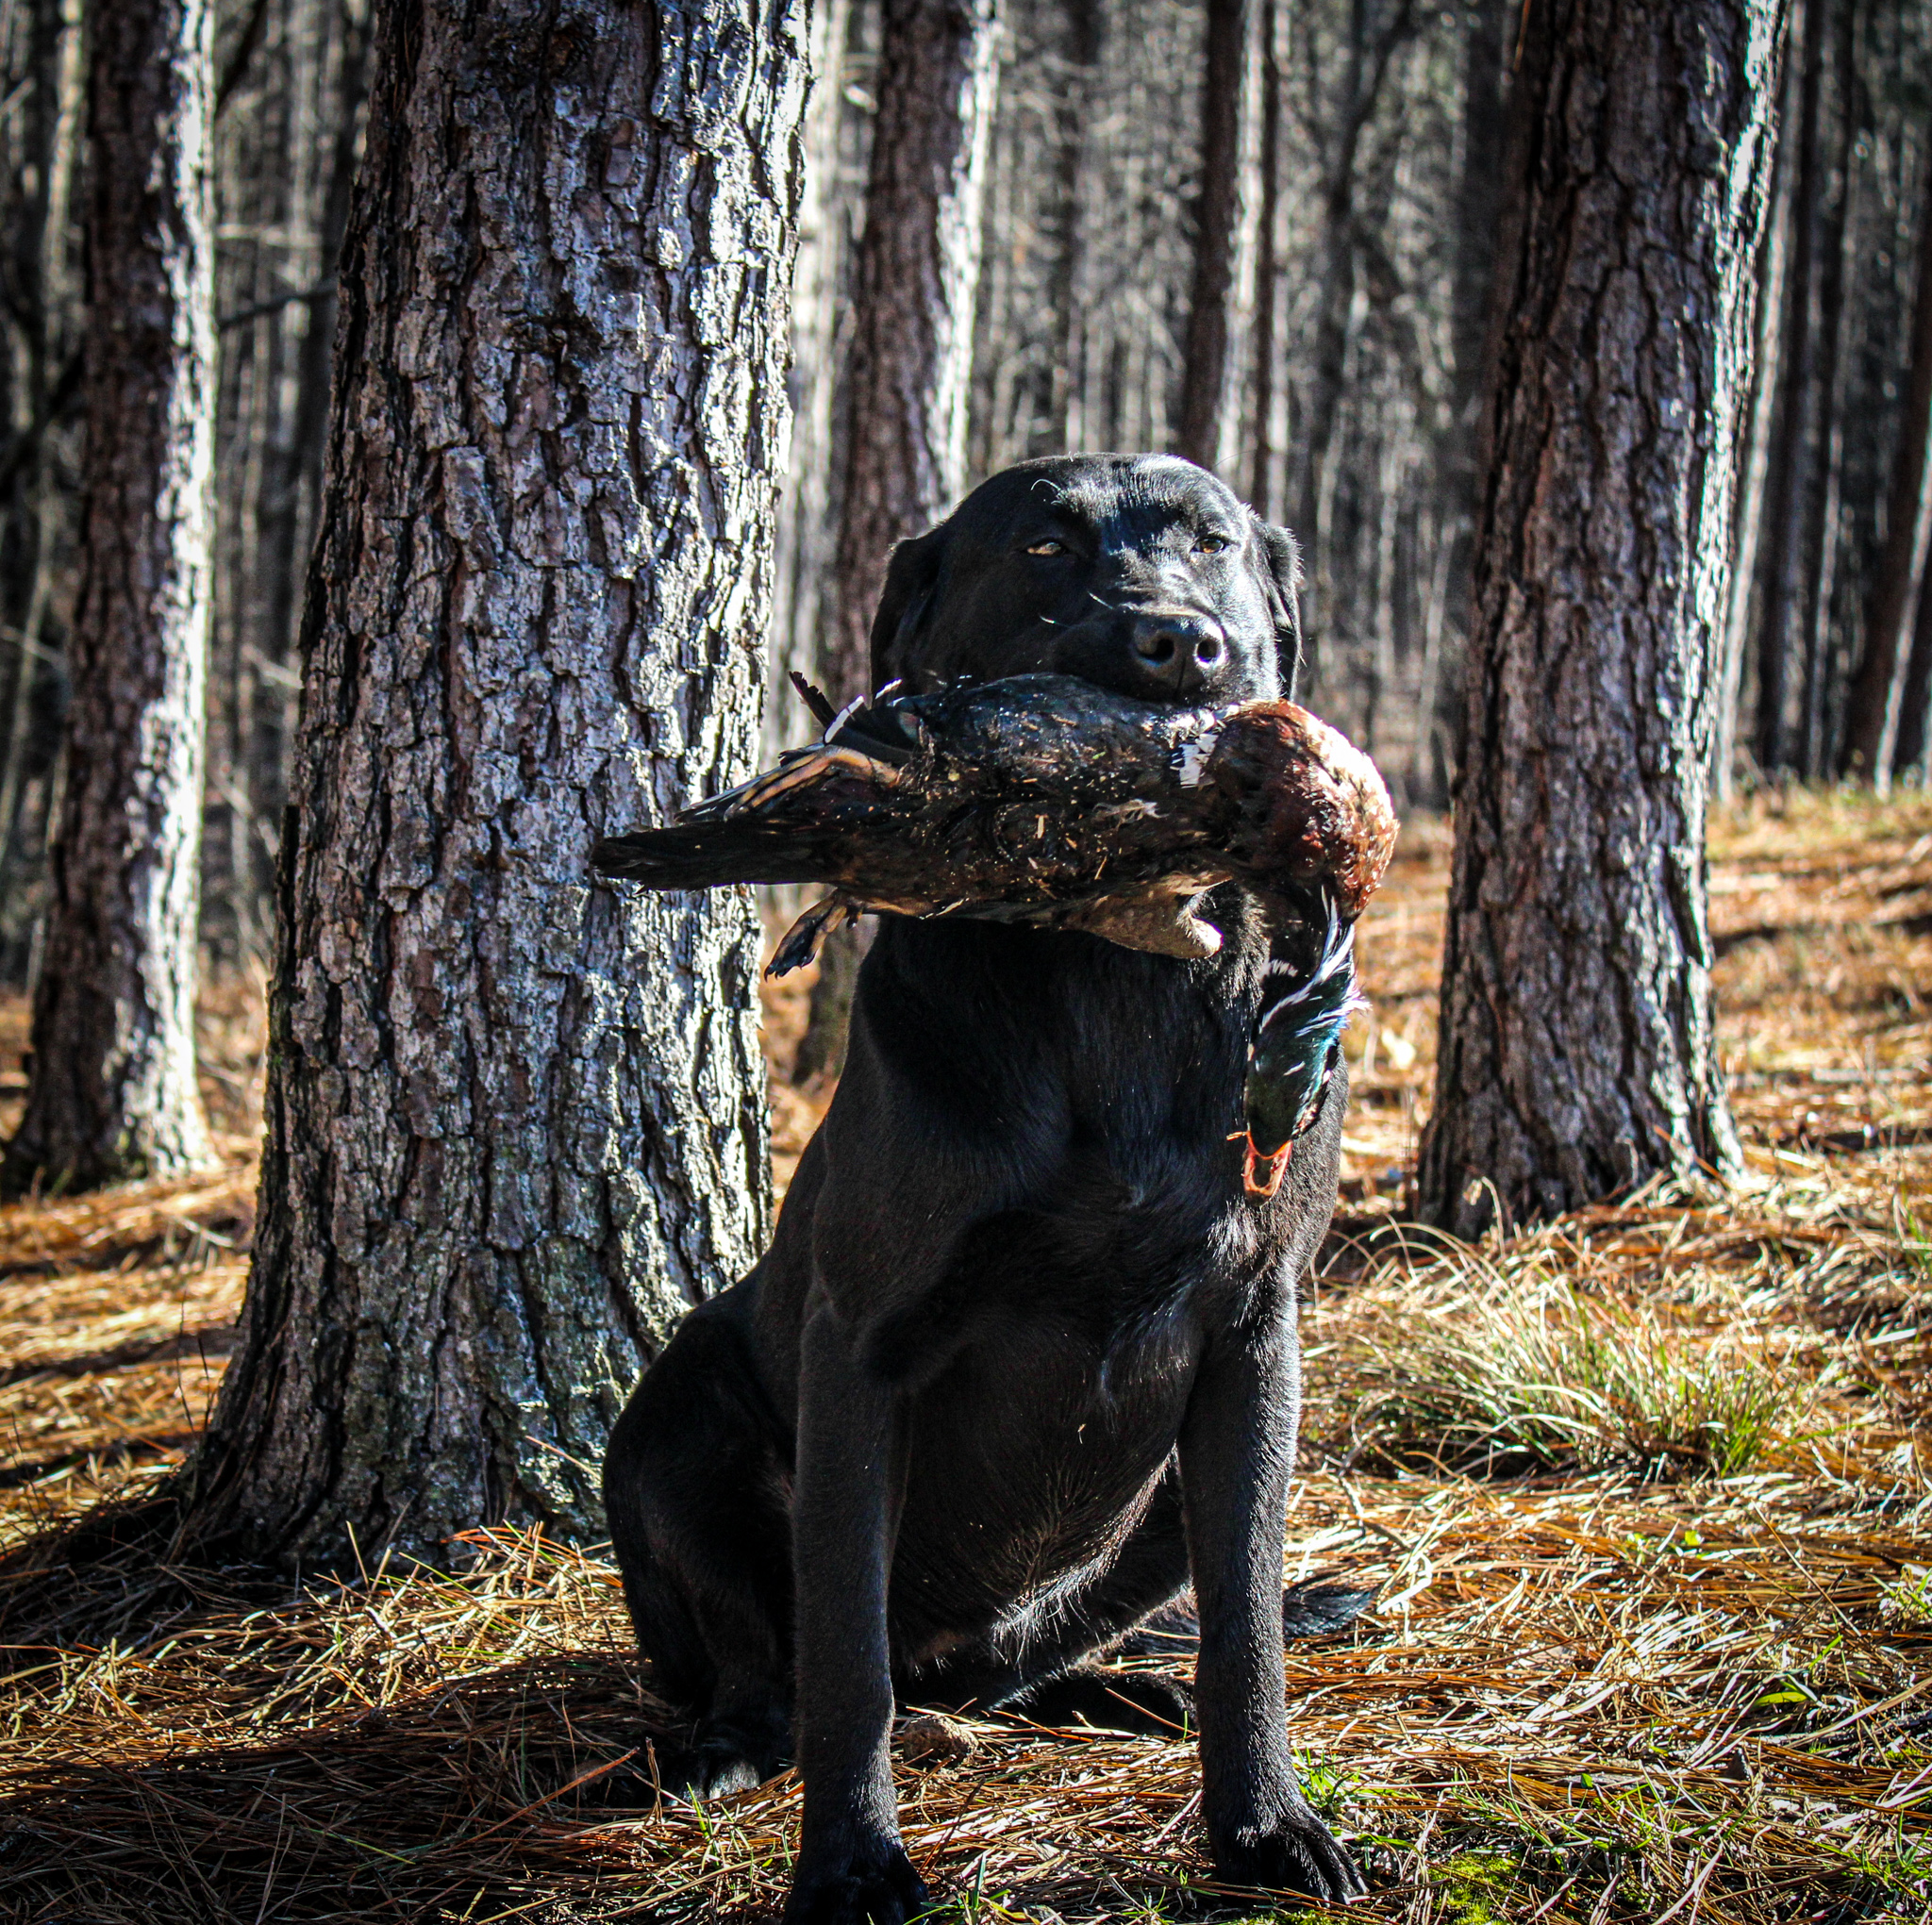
{"x":111,"y":1092}
{"x":1206,"y":356}
{"x":911,"y":361}
{"x":1576,"y":1048}
{"x":516,"y":1122}
{"x":1877,"y":697}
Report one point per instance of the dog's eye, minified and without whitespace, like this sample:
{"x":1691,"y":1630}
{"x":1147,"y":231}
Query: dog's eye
{"x":1212,"y":544}
{"x":1048,"y":547}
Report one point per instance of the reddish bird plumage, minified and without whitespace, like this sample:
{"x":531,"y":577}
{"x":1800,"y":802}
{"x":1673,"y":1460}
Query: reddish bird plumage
{"x":1042,"y":799}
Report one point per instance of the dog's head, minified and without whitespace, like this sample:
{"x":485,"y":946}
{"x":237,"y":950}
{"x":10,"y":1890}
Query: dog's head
{"x":1140,"y":572}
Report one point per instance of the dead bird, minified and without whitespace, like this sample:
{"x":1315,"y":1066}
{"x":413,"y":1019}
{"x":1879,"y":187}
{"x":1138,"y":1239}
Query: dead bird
{"x":1046,"y":801}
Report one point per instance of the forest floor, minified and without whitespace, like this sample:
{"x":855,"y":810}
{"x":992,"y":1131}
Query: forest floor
{"x":1648,"y":1494}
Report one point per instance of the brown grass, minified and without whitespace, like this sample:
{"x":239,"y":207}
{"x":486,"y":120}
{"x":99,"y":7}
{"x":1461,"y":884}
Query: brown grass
{"x":1648,"y":1491}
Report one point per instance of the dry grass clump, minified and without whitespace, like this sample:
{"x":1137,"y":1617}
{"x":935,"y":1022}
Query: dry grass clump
{"x":1501,"y":1370}
{"x":1648,"y":1494}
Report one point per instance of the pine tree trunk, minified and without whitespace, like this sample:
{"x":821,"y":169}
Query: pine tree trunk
{"x":1207,"y":357}
{"x":1577,"y":1052}
{"x":112,"y":1090}
{"x":914,"y":282}
{"x":516,"y":1119}
{"x":1878,"y":691}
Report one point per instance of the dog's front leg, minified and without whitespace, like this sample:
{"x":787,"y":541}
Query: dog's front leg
{"x":1236,"y":1452}
{"x":851,"y":1866}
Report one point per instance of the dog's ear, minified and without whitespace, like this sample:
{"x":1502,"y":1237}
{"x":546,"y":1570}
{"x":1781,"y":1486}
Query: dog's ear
{"x":1281,"y":574}
{"x":912,"y":575}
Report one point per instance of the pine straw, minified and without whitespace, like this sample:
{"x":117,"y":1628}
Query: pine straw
{"x":1604,"y":1682}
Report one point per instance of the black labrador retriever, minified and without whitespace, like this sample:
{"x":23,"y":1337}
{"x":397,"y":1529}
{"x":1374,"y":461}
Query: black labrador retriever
{"x":1022,"y":1358}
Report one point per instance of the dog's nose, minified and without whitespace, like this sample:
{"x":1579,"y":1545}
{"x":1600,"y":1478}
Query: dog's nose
{"x":1177,"y":650}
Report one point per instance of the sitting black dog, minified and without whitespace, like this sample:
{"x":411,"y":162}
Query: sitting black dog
{"x":1021,"y":1359}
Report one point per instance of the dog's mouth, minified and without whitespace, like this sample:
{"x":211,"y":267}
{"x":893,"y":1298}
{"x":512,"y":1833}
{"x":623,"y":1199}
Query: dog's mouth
{"x":1187,"y":661}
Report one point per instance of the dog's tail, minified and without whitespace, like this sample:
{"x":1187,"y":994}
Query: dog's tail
{"x":1312,"y":1608}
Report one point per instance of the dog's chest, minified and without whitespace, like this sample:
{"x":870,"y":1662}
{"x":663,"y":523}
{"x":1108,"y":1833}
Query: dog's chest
{"x":1033,"y":1456}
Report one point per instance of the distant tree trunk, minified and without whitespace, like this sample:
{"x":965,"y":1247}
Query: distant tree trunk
{"x":1838,"y":231}
{"x":112,"y":1093}
{"x":910,"y":362}
{"x":1206,"y":360}
{"x":914,"y":280}
{"x":292,"y":488}
{"x":1879,"y":690}
{"x":1578,"y":1055}
{"x":1063,"y":399}
{"x":1266,"y":269}
{"x":1479,"y":209}
{"x":40,"y":135}
{"x":516,"y":1120}
{"x":1364,"y":70}
{"x":1791,"y":455}
{"x":807,"y":528}
{"x":1754,"y":462}
{"x":1915,"y":703}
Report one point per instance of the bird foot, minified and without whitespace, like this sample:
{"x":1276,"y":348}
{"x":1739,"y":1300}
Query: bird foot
{"x":802,"y":942}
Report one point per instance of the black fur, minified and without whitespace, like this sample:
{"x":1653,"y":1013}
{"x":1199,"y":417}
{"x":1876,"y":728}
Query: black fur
{"x":1021,"y":1359}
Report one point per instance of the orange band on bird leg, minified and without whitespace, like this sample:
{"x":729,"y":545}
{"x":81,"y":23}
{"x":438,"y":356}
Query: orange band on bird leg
{"x":1277,"y":1164}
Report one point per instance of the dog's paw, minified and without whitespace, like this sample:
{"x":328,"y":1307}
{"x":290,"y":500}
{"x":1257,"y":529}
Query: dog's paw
{"x":889,"y":1892}
{"x":719,"y":1759}
{"x":1297,"y":1855}
{"x":1146,"y":1703}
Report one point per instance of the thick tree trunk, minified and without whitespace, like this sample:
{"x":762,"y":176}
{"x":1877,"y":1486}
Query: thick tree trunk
{"x":515,"y":1119}
{"x":914,"y":282}
{"x":1576,"y":1050}
{"x":1872,"y":722}
{"x":112,"y":1090}
{"x":1207,"y":357}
